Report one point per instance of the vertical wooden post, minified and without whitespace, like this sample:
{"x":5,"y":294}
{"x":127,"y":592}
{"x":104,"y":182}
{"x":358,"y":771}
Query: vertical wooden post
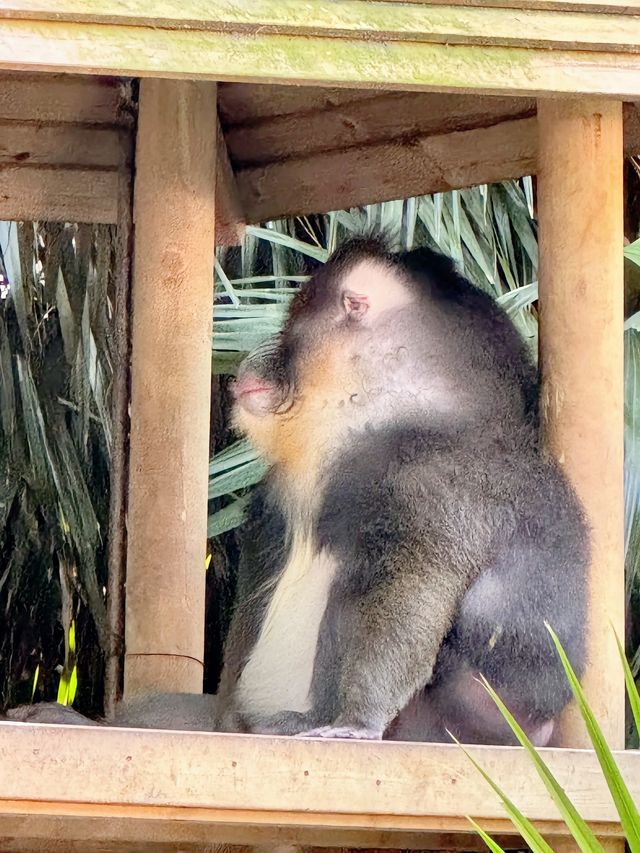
{"x":170,"y":385}
{"x":580,"y":213}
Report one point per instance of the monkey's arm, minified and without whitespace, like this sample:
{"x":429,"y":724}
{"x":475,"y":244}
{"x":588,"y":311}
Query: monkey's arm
{"x":420,"y":544}
{"x":397,"y":631}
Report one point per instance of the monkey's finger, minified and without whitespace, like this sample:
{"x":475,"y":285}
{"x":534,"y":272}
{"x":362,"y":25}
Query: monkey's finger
{"x":343,"y":732}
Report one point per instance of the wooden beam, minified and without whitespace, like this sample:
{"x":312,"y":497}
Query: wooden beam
{"x":174,"y":214}
{"x":247,"y":103}
{"x":482,"y":25}
{"x":580,"y":213}
{"x":319,"y":183}
{"x":61,"y":99}
{"x":618,"y":7}
{"x":298,"y":57}
{"x":399,"y":169}
{"x":230,"y":220}
{"x":398,"y":117}
{"x":66,"y":146}
{"x":249,"y":789}
{"x":66,"y":195}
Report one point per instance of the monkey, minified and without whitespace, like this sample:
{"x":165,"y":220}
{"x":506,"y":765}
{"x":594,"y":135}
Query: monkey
{"x":412,"y":533}
{"x":170,"y":711}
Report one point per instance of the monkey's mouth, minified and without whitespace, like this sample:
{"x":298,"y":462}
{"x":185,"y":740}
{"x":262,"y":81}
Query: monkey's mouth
{"x":249,"y":384}
{"x":255,"y":395}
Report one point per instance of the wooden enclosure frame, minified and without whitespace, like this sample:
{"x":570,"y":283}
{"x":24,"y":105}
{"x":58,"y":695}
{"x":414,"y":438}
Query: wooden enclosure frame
{"x":558,"y":72}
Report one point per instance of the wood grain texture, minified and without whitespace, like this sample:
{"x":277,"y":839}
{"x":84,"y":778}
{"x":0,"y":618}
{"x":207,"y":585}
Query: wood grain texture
{"x":631,"y":7}
{"x":391,"y":116}
{"x":66,"y":195}
{"x":399,"y":169}
{"x":580,"y":215}
{"x":174,"y":215}
{"x":227,"y":56}
{"x":249,"y":788}
{"x":457,"y":24}
{"x":61,"y":99}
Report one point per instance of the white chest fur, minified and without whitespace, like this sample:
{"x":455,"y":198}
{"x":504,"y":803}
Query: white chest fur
{"x":278,"y":675}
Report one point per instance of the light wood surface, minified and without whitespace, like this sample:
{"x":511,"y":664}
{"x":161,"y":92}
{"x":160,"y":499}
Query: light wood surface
{"x":580,"y":214}
{"x":174,"y":214}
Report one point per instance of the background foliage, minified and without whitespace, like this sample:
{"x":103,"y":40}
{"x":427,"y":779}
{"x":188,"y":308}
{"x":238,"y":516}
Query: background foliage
{"x":56,"y":366}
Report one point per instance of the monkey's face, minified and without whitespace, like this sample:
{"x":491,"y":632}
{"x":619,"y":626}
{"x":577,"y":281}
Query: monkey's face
{"x":296,"y":393}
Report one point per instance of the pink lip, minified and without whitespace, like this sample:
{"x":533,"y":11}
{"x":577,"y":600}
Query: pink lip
{"x":249,"y":385}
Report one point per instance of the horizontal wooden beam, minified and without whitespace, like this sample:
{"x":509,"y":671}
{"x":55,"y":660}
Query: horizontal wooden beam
{"x":297,"y":57}
{"x":62,"y":194}
{"x":618,"y":7}
{"x":389,"y":117}
{"x":247,"y":789}
{"x":353,"y":18}
{"x":62,"y":99}
{"x":399,"y":169}
{"x":47,"y":185}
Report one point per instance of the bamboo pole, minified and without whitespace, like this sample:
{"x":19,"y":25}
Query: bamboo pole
{"x":580,"y":211}
{"x":170,"y":385}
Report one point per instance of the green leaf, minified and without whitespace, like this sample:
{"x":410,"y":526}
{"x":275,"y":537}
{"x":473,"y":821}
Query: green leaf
{"x":632,"y":251}
{"x":228,"y":518}
{"x":524,"y":826}
{"x":577,"y":826}
{"x":491,"y":844}
{"x":632,"y":690}
{"x":626,"y":808}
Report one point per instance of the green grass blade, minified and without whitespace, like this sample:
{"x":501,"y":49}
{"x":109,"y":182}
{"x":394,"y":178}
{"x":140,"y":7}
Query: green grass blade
{"x":524,"y":826}
{"x":488,"y":840}
{"x":577,"y":826}
{"x":632,"y":690}
{"x":626,"y":808}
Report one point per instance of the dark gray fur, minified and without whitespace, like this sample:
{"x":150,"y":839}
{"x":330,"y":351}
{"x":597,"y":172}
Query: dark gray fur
{"x":457,"y":537}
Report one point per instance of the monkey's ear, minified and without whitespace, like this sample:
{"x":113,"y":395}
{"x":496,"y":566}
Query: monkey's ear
{"x":355,"y":304}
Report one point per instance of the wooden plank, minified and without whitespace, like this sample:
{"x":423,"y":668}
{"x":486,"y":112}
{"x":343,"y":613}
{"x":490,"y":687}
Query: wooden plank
{"x":246,"y":103}
{"x":357,"y":176}
{"x":67,"y":195}
{"x":249,"y":789}
{"x":145,"y":51}
{"x":580,"y":214}
{"x":618,"y":7}
{"x":399,"y":169}
{"x":230,"y":218}
{"x":57,"y":98}
{"x":389,"y":171}
{"x":349,"y":18}
{"x":61,"y":145}
{"x":172,"y":294}
{"x":389,"y":117}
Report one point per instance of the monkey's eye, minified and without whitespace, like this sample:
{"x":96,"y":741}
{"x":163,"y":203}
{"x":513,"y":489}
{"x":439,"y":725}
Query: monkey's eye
{"x":355,"y":304}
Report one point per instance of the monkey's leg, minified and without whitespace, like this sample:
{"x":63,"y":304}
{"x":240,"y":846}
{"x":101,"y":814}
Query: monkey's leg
{"x":394,"y":637}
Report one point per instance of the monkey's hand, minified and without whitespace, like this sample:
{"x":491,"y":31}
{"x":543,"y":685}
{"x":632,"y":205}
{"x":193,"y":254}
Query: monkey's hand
{"x":344,"y":733}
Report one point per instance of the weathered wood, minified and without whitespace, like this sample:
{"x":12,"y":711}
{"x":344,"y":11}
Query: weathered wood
{"x":615,"y":6}
{"x":391,"y":116}
{"x":230,"y":218}
{"x":580,"y":214}
{"x":402,"y":21}
{"x":67,"y":195}
{"x":174,"y":213}
{"x":248,"y":789}
{"x":299,"y":58}
{"x":247,"y":103}
{"x":60,"y":145}
{"x":397,"y":170}
{"x":360,"y":175}
{"x":56,"y":98}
